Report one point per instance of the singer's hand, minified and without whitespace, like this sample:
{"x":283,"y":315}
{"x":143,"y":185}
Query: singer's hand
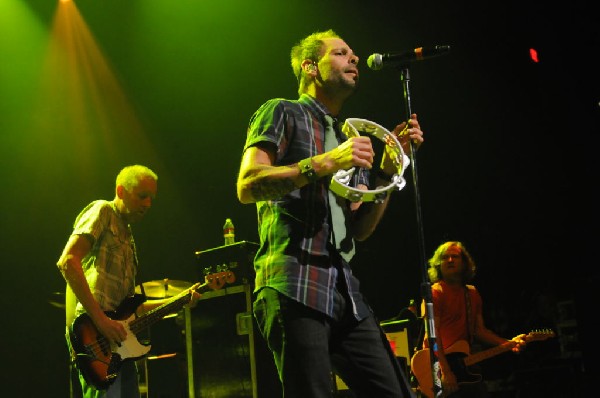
{"x":356,"y":151}
{"x":405,"y":131}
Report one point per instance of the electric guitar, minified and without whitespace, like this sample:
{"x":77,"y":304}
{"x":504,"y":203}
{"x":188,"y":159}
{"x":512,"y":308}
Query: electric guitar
{"x":459,"y":360}
{"x":100,"y":360}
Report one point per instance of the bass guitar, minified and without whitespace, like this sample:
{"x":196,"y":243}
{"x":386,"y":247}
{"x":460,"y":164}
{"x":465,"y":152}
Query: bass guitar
{"x":99,"y":360}
{"x":459,"y":360}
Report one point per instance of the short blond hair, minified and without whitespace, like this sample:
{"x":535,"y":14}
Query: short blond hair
{"x":308,"y":48}
{"x":129,"y":176}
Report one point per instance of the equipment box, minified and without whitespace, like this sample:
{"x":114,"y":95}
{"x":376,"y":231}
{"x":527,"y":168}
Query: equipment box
{"x":211,"y":351}
{"x":229,"y":358}
{"x":214,"y":350}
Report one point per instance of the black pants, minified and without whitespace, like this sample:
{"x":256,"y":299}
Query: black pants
{"x":308,"y":346}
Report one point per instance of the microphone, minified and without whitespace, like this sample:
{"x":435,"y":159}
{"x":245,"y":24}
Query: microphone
{"x":379,"y":61}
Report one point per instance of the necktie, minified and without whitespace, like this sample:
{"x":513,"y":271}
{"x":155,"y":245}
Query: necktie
{"x":343,"y":243}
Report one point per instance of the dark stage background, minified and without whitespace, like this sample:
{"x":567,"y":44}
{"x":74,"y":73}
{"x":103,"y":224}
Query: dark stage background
{"x":506,"y":167}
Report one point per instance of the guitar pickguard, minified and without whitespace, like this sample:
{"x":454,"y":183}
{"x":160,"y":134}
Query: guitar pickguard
{"x":462,"y":372}
{"x":130,"y":348}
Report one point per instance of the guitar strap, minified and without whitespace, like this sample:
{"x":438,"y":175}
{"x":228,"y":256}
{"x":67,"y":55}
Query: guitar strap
{"x":135,"y":260}
{"x":143,"y":291}
{"x":469,"y":315}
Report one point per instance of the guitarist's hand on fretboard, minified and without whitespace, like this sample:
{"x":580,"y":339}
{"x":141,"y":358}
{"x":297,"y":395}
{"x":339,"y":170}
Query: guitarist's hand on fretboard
{"x":195,"y":296}
{"x":459,"y":359}
{"x":519,"y":343}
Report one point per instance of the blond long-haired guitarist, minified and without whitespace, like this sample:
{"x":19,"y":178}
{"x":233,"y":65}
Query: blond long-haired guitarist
{"x":458,"y":319}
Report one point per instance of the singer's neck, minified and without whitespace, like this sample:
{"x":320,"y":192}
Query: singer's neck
{"x":333,"y":103}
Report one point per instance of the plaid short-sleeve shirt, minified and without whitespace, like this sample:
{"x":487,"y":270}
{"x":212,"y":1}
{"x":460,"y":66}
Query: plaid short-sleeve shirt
{"x":110,"y":266}
{"x":295,"y":256}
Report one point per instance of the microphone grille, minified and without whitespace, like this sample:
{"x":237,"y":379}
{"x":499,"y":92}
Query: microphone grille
{"x":375,"y":61}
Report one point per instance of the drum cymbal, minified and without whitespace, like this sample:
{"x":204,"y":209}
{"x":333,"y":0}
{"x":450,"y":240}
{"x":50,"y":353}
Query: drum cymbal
{"x":57,"y":299}
{"x":163,"y":288}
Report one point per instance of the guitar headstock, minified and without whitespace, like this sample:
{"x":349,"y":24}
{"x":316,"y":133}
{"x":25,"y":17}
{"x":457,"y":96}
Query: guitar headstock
{"x":539,"y":335}
{"x":217,"y":280}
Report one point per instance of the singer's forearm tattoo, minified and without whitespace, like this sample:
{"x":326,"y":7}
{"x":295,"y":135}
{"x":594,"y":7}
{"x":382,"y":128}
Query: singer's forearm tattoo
{"x":266,"y":189}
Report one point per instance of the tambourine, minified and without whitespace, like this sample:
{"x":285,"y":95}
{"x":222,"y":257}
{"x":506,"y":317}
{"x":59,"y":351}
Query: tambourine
{"x":339,"y":182}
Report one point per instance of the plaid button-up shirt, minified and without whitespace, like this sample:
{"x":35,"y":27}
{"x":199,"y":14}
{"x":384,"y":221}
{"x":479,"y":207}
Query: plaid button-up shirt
{"x":295,"y":256}
{"x":110,"y":266}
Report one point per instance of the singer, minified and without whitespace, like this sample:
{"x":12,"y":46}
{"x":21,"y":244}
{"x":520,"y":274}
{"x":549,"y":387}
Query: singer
{"x":308,"y":305}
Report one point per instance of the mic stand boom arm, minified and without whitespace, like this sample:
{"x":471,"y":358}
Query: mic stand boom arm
{"x":425,"y":285}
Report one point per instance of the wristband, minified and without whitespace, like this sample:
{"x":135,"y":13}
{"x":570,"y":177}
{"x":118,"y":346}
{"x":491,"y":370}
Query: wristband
{"x":306,"y":169}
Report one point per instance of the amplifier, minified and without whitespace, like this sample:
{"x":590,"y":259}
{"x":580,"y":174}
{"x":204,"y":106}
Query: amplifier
{"x":237,"y":258}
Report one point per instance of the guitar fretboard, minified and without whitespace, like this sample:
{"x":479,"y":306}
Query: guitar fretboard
{"x":158,"y":313}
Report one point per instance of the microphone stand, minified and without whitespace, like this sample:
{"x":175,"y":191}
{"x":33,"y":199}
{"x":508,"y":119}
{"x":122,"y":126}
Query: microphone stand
{"x":425,"y":285}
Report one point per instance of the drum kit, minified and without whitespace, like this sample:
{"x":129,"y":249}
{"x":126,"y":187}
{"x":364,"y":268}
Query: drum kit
{"x":165,"y":288}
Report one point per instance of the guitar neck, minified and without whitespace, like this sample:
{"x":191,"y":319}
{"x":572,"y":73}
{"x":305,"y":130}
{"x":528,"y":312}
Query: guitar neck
{"x":480,"y":356}
{"x":158,"y":313}
{"x":532,"y":336}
